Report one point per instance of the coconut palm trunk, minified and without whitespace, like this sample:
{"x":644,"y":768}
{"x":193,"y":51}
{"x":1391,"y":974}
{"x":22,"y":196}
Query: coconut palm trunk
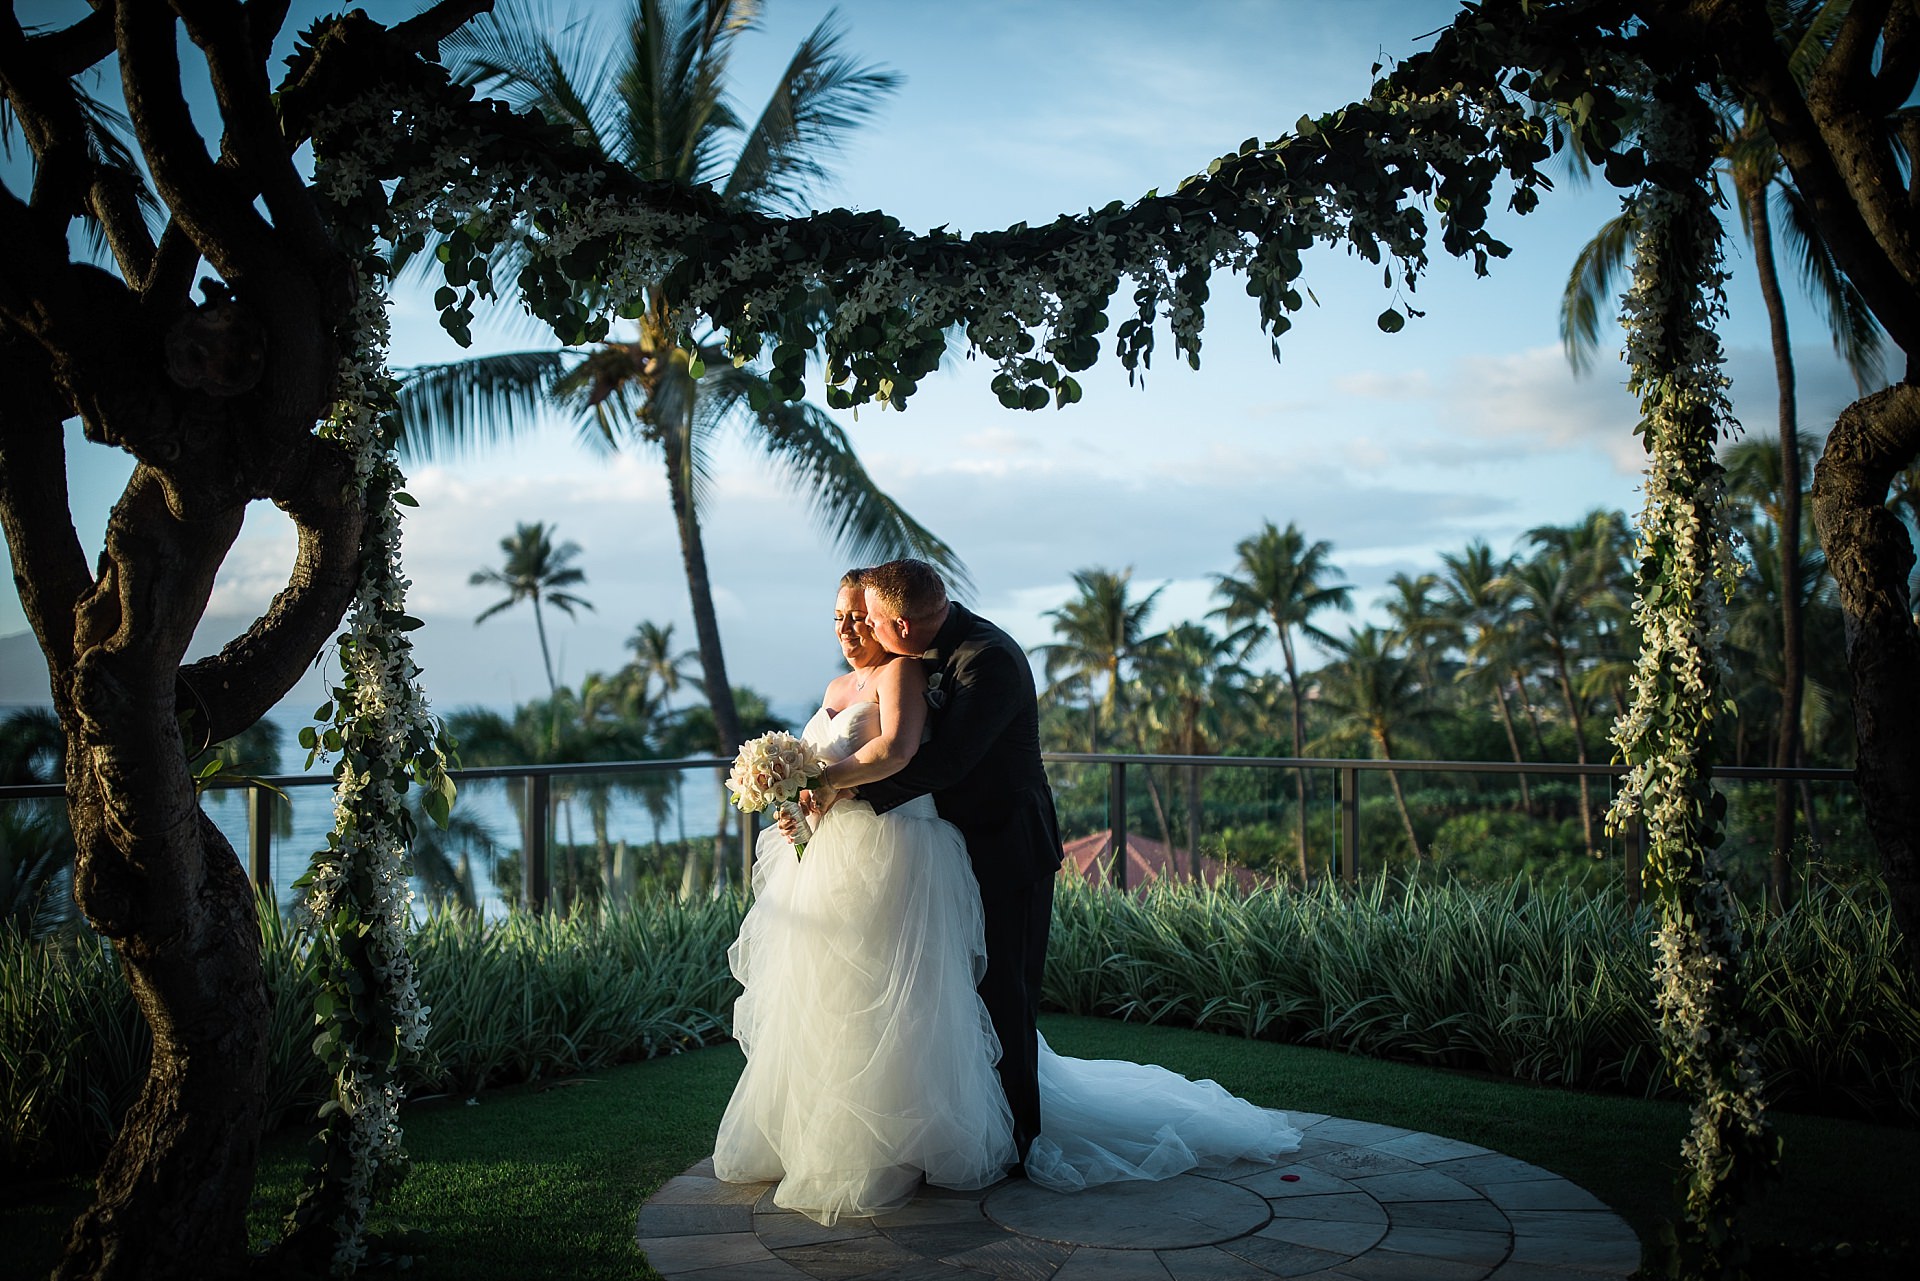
{"x":1513,"y":745}
{"x":1299,"y":737}
{"x":1579,"y":746}
{"x":1384,"y":742}
{"x":1786,"y":749}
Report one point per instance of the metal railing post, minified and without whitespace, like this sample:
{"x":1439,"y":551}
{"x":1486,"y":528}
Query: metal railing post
{"x":534,"y":873}
{"x":749,"y":834}
{"x":1350,"y":824}
{"x":260,"y":837}
{"x":1117,"y":821}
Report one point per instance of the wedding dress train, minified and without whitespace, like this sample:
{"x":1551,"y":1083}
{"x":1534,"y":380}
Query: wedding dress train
{"x":870,"y":1055}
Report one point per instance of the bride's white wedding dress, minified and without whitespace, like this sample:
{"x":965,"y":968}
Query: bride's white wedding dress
{"x":869,"y":1053}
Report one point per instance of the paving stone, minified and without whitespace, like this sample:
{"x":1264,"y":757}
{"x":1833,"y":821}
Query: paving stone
{"x":1457,"y":1245}
{"x":659,"y":1219}
{"x":1516,"y":1270}
{"x":1335,"y":1236}
{"x":1350,"y":1163}
{"x":1613,"y":1255}
{"x":1308,"y":1180}
{"x":689,"y":1189}
{"x":671,"y":1256}
{"x":922,"y":1211}
{"x":1091,"y":1264}
{"x":1167,"y":1215}
{"x":1471,"y":1216}
{"x":1336,"y":1207}
{"x":1015,"y":1258}
{"x":1616,"y":1254}
{"x":944,"y":1240}
{"x":1478,"y":1171}
{"x":858,"y":1257}
{"x":1385,"y":1265}
{"x":1578,"y":1225}
{"x":1428,"y":1148}
{"x":1542,"y":1194}
{"x":1360,"y":1133}
{"x":784,"y":1228}
{"x":761,"y":1270}
{"x":1210,"y":1263}
{"x":1415,"y":1185}
{"x":702,"y":1168}
{"x":1284,"y":1258}
{"x":1311,"y":1147}
{"x":1369,"y":1203}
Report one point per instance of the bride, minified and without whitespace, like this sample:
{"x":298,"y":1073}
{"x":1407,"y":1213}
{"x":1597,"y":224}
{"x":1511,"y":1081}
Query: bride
{"x":870,"y":1056}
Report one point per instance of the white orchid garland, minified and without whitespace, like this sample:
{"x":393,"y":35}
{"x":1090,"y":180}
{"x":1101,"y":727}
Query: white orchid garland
{"x":1665,"y":734}
{"x":1033,"y":302}
{"x":358,"y":896}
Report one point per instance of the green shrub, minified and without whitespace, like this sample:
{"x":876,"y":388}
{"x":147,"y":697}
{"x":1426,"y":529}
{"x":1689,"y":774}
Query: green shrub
{"x":1546,"y":983}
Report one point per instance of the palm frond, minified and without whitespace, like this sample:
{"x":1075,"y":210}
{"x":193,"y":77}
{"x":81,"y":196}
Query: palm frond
{"x":810,"y":449}
{"x":471,"y":404}
{"x":822,"y":96}
{"x":1592,"y":280}
{"x":1857,"y":336}
{"x":673,"y":112}
{"x":534,"y":60}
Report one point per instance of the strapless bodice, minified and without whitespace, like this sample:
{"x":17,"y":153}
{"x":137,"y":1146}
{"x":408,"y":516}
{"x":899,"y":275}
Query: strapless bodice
{"x":838,"y":734}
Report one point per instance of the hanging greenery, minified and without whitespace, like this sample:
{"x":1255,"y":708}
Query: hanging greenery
{"x":860,"y":303}
{"x":357,"y":895}
{"x":1666,"y":735}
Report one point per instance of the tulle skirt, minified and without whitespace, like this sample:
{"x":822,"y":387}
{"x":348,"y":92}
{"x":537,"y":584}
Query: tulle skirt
{"x":1106,"y":1120}
{"x":870,"y":1058}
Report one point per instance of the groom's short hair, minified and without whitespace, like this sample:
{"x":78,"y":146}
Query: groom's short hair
{"x":909,"y":588}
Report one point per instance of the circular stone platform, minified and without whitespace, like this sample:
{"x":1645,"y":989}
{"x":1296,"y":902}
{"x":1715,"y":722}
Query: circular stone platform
{"x":1358,"y":1201}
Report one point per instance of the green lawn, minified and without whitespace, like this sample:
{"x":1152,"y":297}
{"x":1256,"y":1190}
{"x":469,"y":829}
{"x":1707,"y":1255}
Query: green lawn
{"x":544,"y":1181}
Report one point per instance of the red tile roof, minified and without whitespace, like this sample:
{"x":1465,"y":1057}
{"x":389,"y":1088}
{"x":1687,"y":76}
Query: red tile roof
{"x":1091,"y":859}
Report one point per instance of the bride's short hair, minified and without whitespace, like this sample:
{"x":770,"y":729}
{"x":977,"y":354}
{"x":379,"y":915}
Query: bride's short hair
{"x":909,"y":588}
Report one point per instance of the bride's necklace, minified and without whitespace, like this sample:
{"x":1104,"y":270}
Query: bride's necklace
{"x":860,"y":676}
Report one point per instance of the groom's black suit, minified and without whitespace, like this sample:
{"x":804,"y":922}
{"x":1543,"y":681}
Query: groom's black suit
{"x":983,"y":767}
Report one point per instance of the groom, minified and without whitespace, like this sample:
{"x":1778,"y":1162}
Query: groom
{"x":982,"y":766}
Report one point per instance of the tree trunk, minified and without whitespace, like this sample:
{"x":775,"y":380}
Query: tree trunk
{"x":1299,"y":736}
{"x":1400,"y":799}
{"x":1786,"y":748}
{"x":1580,"y":749}
{"x":546,"y":657}
{"x":693,"y":555}
{"x":1193,"y":820}
{"x":1513,"y":744}
{"x":1870,"y":557}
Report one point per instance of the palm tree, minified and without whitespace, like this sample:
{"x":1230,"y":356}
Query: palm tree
{"x":1753,"y":164}
{"x":654,"y":101}
{"x":535,"y":571}
{"x":1283,"y":582}
{"x":1192,"y":685}
{"x":1102,"y":633}
{"x":1375,"y":696}
{"x":1550,"y":594}
{"x":655,"y":657}
{"x":1420,"y":622}
{"x":1482,"y":616}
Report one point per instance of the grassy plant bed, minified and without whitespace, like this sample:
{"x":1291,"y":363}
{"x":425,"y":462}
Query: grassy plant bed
{"x":1543,"y":985}
{"x":543,"y":1180}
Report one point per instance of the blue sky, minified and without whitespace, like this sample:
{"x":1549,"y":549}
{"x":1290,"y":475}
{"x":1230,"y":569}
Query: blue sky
{"x":1467,"y":424}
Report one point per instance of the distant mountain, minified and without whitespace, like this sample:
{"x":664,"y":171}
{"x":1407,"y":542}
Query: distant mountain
{"x":23,"y":672}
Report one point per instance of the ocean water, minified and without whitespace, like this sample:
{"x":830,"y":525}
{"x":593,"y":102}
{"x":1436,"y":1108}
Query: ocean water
{"x":486,"y":804}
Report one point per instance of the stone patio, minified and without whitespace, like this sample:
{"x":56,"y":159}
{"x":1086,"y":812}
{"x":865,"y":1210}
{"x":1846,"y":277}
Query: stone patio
{"x":1358,"y":1201}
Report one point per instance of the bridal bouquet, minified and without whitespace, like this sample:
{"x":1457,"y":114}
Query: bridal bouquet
{"x":770,"y":772}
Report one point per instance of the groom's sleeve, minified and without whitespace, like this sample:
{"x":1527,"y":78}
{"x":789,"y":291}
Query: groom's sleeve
{"x":983,"y":703}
